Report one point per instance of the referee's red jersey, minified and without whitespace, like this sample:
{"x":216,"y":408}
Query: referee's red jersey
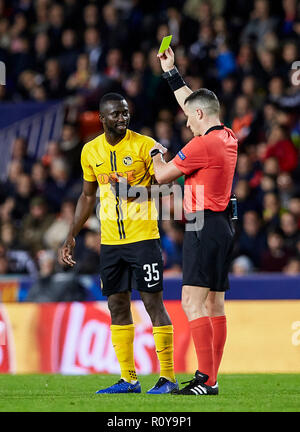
{"x":208,"y":163}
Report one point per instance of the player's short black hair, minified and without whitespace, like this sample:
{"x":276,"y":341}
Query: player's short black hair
{"x":108,"y":97}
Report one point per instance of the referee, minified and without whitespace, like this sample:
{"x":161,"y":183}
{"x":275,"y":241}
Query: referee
{"x":209,"y":159}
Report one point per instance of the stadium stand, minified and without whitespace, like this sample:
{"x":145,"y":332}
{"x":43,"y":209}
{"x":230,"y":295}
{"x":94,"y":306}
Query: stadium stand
{"x":62,"y":56}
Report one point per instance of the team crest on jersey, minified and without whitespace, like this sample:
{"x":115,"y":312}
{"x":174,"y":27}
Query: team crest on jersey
{"x":127,"y":160}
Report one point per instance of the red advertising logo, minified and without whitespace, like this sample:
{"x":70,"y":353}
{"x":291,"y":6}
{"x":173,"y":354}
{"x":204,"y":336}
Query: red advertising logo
{"x":80,"y":341}
{"x":5,"y":345}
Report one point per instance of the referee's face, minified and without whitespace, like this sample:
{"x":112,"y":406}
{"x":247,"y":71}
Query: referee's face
{"x":194,"y":116}
{"x":115,"y":117}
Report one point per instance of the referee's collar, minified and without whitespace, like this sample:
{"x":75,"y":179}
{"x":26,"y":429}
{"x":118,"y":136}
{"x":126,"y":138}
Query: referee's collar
{"x":218,"y":127}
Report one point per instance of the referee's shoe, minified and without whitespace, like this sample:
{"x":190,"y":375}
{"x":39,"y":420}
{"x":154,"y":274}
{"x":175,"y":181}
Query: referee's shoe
{"x":197,"y":386}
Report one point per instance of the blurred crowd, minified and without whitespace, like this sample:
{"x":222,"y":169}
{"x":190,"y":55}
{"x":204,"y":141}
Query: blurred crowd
{"x":79,"y":50}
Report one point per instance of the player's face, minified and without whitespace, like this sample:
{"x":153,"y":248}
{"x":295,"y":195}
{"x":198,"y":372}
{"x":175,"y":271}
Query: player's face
{"x":115,"y":117}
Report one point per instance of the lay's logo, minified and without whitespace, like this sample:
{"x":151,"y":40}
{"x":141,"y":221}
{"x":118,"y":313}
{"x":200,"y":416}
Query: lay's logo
{"x":2,"y":333}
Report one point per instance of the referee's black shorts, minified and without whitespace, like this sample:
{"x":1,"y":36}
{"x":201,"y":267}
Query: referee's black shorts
{"x":136,"y":265}
{"x":207,"y":252}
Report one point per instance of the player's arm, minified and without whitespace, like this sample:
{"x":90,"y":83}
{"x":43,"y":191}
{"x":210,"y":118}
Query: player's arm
{"x":181,"y":90}
{"x":84,"y":208}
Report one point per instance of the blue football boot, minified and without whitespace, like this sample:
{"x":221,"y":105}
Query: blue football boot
{"x":122,"y":386}
{"x":163,"y":386}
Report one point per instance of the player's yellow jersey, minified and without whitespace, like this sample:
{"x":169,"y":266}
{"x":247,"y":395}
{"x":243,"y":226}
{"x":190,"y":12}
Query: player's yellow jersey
{"x":122,"y":221}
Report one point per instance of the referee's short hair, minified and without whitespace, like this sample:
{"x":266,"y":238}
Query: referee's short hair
{"x":206,"y":100}
{"x":108,"y":97}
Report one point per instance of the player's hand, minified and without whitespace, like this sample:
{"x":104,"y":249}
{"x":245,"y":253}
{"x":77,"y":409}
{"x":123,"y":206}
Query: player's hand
{"x":167,"y":59}
{"x":159,"y":147}
{"x":65,"y":253}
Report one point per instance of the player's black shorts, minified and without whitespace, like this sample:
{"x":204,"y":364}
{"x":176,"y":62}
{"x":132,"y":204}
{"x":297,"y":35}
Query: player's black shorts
{"x":207,"y":252}
{"x":136,"y":265}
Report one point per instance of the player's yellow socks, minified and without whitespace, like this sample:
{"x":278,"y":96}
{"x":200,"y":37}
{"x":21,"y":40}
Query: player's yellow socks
{"x":163,"y":338}
{"x":122,"y":337}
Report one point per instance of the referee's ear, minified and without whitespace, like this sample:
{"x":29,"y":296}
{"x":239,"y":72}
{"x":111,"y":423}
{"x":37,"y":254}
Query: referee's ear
{"x":200,"y":113}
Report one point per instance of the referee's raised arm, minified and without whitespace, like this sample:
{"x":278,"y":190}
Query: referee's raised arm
{"x":175,"y":80}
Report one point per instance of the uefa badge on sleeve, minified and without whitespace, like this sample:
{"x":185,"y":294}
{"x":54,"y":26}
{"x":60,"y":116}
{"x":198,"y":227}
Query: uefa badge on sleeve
{"x":2,"y":333}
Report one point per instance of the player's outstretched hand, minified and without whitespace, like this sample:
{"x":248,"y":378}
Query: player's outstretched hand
{"x":65,"y":253}
{"x":167,"y":59}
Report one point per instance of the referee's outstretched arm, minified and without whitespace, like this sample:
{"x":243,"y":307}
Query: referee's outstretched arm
{"x":179,"y":87}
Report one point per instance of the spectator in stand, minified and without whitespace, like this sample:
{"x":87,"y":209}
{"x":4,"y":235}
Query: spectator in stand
{"x":261,"y":22}
{"x":91,"y":16}
{"x":61,"y":184}
{"x":271,"y":210}
{"x":19,"y":261}
{"x":246,"y":199}
{"x":19,"y":153}
{"x":136,"y":100}
{"x":277,"y":255}
{"x":172,"y":241}
{"x":164,"y":134}
{"x":286,"y":189}
{"x":56,"y":21}
{"x":80,"y":79}
{"x":113,"y":28}
{"x":294,"y":207}
{"x":22,"y":196}
{"x":271,"y":167}
{"x":276,"y":89}
{"x":34,"y":225}
{"x":15,"y":169}
{"x":250,"y":88}
{"x":280,"y":146}
{"x":252,"y":240}
{"x":290,"y":54}
{"x":69,"y":52}
{"x":9,"y":236}
{"x":54,"y":79}
{"x":53,"y":287}
{"x":53,"y":152}
{"x":228,"y":94}
{"x":247,"y":63}
{"x":41,"y":51}
{"x":292,"y":267}
{"x":242,"y":266}
{"x":244,"y":116}
{"x":39,"y":177}
{"x":95,"y":48}
{"x":70,"y":148}
{"x":4,"y":266}
{"x":41,"y":23}
{"x":114,"y":65}
{"x":290,"y":16}
{"x":289,"y":226}
{"x":90,"y":256}
{"x":225,"y":61}
{"x":268,"y":66}
{"x":56,"y":233}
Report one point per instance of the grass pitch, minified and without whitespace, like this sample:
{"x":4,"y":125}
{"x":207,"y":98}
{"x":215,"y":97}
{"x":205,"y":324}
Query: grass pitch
{"x":58,"y":393}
